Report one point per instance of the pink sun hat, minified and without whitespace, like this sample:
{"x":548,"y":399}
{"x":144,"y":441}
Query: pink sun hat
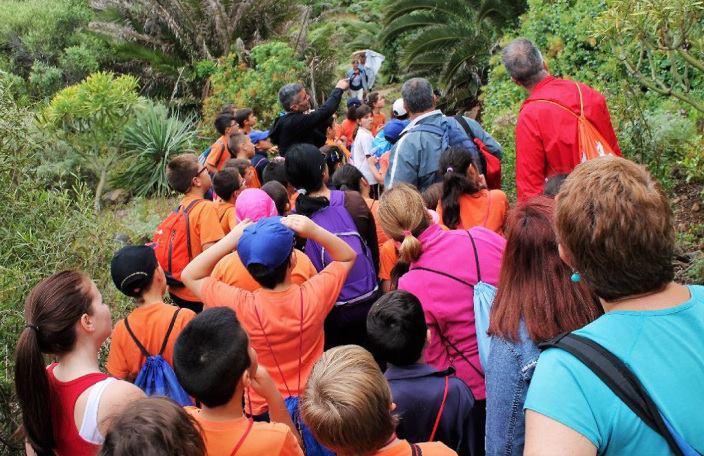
{"x":254,"y":204}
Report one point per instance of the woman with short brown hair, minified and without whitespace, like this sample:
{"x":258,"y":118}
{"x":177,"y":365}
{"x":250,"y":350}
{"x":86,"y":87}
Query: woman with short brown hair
{"x":614,"y":225}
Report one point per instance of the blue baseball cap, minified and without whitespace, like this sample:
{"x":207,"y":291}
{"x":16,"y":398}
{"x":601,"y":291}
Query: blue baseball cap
{"x":258,"y":135}
{"x":268,"y":242}
{"x":354,"y":101}
{"x":393,"y":129}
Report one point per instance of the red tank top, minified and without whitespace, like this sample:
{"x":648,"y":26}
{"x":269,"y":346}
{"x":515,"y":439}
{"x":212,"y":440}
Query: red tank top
{"x":63,"y":403}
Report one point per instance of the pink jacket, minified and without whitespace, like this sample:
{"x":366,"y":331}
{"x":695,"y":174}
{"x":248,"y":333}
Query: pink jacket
{"x":448,"y":303}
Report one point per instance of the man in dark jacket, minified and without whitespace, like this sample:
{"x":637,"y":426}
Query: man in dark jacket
{"x":297,"y":125}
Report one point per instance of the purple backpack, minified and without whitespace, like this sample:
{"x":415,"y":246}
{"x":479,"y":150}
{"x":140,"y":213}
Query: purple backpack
{"x":361,"y":282}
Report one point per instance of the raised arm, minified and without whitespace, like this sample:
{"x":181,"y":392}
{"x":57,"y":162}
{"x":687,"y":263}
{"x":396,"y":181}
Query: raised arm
{"x":199,"y":268}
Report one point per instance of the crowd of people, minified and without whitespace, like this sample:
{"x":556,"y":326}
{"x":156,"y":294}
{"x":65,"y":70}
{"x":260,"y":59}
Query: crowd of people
{"x":365,"y":288}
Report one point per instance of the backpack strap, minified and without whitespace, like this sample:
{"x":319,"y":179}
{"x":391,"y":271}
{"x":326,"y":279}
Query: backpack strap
{"x":442,"y":408}
{"x":186,"y":214}
{"x":454,"y":347}
{"x":465,"y":126}
{"x":250,"y":423}
{"x":415,"y":450}
{"x":136,"y":341}
{"x":444,"y":274}
{"x":476,"y":255}
{"x":619,"y":378}
{"x":300,"y":346}
{"x":168,"y":331}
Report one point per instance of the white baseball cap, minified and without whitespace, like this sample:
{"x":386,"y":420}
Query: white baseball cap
{"x":398,"y":108}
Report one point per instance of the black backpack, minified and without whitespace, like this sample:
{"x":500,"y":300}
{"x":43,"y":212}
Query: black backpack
{"x":619,"y":378}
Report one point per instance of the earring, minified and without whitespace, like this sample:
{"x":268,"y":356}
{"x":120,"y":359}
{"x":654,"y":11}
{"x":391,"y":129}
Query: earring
{"x":575,"y":277}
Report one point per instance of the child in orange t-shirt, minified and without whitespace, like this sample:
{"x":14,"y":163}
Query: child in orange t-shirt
{"x":186,"y":176}
{"x":215,"y":364}
{"x":226,"y":184}
{"x":465,"y":201}
{"x":219,"y":152}
{"x":347,"y":406}
{"x":284,"y":320}
{"x":243,"y":149}
{"x":254,"y":204}
{"x":136,"y":273}
{"x":377,"y":102}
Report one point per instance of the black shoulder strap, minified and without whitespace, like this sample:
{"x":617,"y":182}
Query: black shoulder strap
{"x":618,"y":377}
{"x":467,"y":129}
{"x":476,"y":254}
{"x":136,"y":341}
{"x":444,"y":274}
{"x":168,"y":331}
{"x":415,"y":450}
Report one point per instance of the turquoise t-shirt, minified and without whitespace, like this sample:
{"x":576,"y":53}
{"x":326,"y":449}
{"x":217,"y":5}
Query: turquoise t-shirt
{"x":665,"y":350}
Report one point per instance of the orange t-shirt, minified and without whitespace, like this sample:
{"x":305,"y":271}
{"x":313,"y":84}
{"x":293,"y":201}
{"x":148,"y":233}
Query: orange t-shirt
{"x":149,"y":324}
{"x":384,"y":163}
{"x":221,"y":437}
{"x":378,"y":121}
{"x":232,"y":271}
{"x":219,"y":153}
{"x":204,"y":228}
{"x":373,"y":206}
{"x":485,"y":208}
{"x":348,"y":129}
{"x":403,"y":448}
{"x":252,"y":179}
{"x":226,"y":215}
{"x":280,"y":313}
{"x":388,"y":256}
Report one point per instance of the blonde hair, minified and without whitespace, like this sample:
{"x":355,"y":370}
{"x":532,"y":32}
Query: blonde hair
{"x":615,"y":222}
{"x":346,"y":402}
{"x":403,"y":217}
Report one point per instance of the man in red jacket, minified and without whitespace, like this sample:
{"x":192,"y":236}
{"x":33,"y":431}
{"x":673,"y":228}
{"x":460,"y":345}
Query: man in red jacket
{"x":546,"y":134}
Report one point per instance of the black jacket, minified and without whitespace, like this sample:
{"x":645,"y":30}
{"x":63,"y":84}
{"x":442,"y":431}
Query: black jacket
{"x":295,"y":127}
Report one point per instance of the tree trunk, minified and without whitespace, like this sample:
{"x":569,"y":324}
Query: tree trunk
{"x":99,"y":189}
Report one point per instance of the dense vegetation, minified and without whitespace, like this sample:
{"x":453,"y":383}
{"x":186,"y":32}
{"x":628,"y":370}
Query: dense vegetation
{"x":97,"y":96}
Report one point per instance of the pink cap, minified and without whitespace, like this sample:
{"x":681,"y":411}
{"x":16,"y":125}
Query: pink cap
{"x":254,"y":204}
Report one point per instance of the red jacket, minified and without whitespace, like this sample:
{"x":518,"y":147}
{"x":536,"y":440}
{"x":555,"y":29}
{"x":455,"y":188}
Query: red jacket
{"x":546,"y":135}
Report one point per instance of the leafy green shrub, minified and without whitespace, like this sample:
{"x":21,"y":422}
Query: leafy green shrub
{"x":151,"y":141}
{"x":45,"y":79}
{"x":91,"y":116}
{"x":273,"y":64}
{"x":77,"y":62}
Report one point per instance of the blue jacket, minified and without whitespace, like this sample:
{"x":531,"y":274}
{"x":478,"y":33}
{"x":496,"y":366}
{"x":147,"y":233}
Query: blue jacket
{"x":509,"y":370}
{"x":417,"y":391}
{"x":415,"y":157}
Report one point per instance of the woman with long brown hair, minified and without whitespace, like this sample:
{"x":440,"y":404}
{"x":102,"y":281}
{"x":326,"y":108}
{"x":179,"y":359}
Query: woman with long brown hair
{"x":536,"y":301}
{"x":67,"y":406}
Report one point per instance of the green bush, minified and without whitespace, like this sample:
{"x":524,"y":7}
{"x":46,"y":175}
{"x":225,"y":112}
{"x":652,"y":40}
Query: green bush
{"x":44,"y":80}
{"x":255,"y":86}
{"x":77,"y":62}
{"x":151,"y":141}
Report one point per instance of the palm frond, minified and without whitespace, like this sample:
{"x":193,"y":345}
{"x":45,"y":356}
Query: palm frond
{"x":411,"y":22}
{"x":438,"y":38}
{"x":456,"y":8}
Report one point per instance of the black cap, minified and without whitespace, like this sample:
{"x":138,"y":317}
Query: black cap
{"x":132,"y":269}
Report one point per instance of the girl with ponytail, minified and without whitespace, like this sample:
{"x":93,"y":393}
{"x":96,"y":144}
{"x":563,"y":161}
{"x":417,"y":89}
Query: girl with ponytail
{"x":345,"y":214}
{"x":66,"y":407}
{"x":465,"y":200}
{"x":443,"y":267}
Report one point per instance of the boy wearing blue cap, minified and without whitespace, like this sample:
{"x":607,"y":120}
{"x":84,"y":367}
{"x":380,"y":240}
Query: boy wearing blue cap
{"x":284,"y":320}
{"x":262,"y":145}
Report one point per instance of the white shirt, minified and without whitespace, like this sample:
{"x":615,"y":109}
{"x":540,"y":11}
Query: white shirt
{"x":361,"y":150}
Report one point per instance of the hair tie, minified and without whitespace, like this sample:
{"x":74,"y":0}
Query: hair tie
{"x":34,"y":327}
{"x":407,"y":233}
{"x":302,"y":191}
{"x":449,"y":169}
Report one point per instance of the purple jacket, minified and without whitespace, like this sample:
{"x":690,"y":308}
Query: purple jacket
{"x":448,"y":304}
